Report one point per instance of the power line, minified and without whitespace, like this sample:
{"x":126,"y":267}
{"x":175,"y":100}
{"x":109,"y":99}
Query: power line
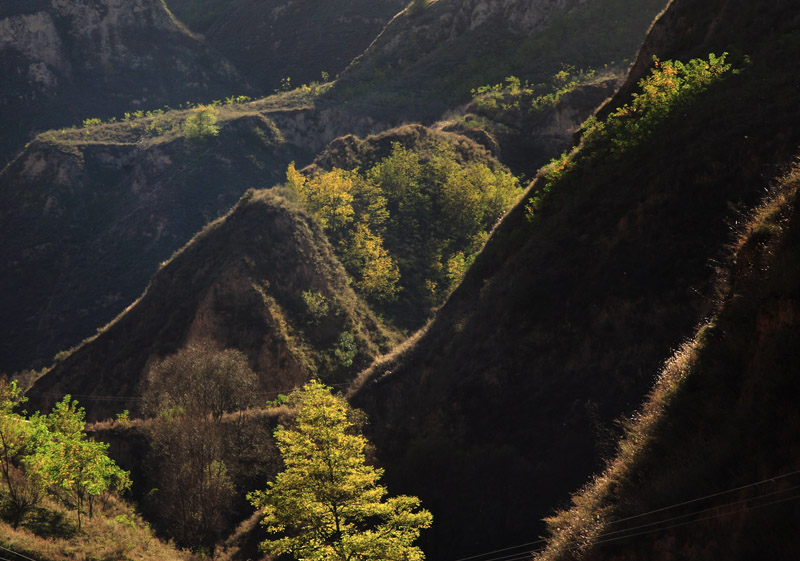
{"x":516,"y":556}
{"x":707,"y":497}
{"x":719,"y":515}
{"x":522,"y":556}
{"x":695,"y":513}
{"x":95,"y":397}
{"x":15,"y":553}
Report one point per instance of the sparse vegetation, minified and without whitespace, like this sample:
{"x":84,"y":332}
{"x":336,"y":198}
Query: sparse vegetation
{"x":670,"y":87}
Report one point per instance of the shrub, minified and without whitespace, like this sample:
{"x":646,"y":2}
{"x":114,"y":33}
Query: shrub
{"x":201,"y":124}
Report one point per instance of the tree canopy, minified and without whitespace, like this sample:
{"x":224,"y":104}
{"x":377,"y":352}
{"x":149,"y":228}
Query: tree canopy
{"x":327,"y":503}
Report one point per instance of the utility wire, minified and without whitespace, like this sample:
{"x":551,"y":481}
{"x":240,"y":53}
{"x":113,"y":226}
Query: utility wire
{"x":15,"y":553}
{"x":513,"y":556}
{"x":522,"y":556}
{"x":87,"y":397}
{"x":695,"y":513}
{"x":719,"y":515}
{"x":707,"y":497}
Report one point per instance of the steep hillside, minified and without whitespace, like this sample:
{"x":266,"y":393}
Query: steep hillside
{"x":526,"y":125}
{"x":62,"y":62}
{"x":708,"y":468}
{"x":89,"y":213}
{"x":239,"y":284}
{"x":278,"y":39}
{"x":508,"y":400}
{"x":430,"y":56}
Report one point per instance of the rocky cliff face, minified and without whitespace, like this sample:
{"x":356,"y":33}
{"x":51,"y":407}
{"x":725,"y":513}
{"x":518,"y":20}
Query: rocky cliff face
{"x":432,"y":54}
{"x":297,"y":39}
{"x":66,"y":60}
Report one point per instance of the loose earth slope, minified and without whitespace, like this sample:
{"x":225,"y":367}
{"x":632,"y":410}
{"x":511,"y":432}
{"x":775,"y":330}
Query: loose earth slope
{"x":238,"y":284}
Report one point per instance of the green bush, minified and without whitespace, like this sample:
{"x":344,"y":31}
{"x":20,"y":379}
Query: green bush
{"x":201,"y":124}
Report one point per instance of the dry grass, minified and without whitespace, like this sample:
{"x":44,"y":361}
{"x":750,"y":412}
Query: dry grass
{"x":618,"y":489}
{"x":384,"y":364}
{"x":115,"y":532}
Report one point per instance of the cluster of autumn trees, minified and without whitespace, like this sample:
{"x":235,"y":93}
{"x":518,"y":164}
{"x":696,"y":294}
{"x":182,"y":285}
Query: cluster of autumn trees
{"x":327,"y":502}
{"x":51,"y":455}
{"x":407,"y":228}
{"x":186,"y":395}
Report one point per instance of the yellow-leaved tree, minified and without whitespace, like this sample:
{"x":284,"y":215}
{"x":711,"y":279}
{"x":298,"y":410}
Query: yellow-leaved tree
{"x":327,"y":503}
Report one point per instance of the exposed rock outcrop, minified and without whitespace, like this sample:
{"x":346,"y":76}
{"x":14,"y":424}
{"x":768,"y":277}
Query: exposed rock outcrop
{"x":66,"y":60}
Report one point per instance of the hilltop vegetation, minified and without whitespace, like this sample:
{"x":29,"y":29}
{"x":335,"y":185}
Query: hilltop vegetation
{"x":406,"y":224}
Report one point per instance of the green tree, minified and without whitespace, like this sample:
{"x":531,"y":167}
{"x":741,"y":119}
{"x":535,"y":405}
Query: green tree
{"x":327,"y":503}
{"x":201,"y":124}
{"x":23,"y":489}
{"x":68,"y":461}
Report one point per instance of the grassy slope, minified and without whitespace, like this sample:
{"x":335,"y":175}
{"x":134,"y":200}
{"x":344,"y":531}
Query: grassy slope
{"x":559,"y":326}
{"x":722,"y":416}
{"x":50,"y":533}
{"x":239,"y":284}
